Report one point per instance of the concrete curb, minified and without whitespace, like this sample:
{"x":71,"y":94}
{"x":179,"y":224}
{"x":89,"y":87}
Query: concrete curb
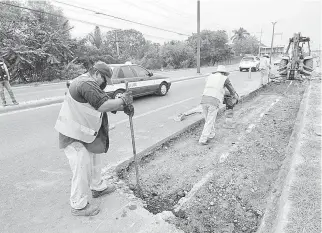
{"x":271,"y":216}
{"x":31,"y":104}
{"x":146,"y":152}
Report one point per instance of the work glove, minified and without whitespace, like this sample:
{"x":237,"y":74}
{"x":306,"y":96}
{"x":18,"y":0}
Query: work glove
{"x":129,"y":110}
{"x":127,"y":98}
{"x":231,"y":100}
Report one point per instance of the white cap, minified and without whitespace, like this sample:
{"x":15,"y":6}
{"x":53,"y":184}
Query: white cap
{"x":222,"y":69}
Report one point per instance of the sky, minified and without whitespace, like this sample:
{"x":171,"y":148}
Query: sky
{"x":180,"y":16}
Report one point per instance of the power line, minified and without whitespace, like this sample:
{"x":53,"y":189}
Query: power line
{"x":78,"y":20}
{"x":119,"y":18}
{"x":183,"y":14}
{"x":179,"y":17}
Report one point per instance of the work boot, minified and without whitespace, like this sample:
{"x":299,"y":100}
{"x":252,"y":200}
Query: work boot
{"x":109,"y":189}
{"x":88,"y":210}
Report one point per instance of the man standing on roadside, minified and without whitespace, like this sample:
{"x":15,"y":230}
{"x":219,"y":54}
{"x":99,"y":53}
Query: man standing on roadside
{"x":212,"y":96}
{"x":4,"y":83}
{"x":83,"y":134}
{"x":264,"y":67}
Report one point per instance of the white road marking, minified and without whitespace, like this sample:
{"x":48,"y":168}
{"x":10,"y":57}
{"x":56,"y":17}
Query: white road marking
{"x":156,"y":110}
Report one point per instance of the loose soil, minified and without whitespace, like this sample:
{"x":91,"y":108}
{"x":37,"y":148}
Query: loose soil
{"x":245,"y":161}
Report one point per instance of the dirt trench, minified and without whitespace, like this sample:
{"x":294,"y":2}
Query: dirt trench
{"x":244,"y":163}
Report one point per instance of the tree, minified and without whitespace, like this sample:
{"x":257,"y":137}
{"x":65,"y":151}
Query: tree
{"x":151,"y":58}
{"x":239,"y":34}
{"x":213,"y":47}
{"x":177,"y":54}
{"x":249,"y":45}
{"x":96,"y":37}
{"x":34,"y":44}
{"x":130,"y":42}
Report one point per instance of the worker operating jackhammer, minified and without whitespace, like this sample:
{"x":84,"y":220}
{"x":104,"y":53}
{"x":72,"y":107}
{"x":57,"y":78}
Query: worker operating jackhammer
{"x":213,"y":95}
{"x":83,"y":134}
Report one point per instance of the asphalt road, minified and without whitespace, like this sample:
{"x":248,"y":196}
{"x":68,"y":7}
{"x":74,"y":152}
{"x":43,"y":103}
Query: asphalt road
{"x":28,"y":93}
{"x":35,"y":175}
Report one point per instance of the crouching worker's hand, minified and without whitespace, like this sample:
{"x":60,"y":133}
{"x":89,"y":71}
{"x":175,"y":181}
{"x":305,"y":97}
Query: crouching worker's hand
{"x":127,"y":98}
{"x":129,"y":110}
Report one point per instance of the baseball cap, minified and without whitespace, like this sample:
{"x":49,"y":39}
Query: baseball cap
{"x":104,"y":70}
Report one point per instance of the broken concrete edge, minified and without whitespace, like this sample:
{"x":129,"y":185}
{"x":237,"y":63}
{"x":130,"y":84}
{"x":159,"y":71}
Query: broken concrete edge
{"x":32,"y":104}
{"x":272,"y":216}
{"x":124,"y":166}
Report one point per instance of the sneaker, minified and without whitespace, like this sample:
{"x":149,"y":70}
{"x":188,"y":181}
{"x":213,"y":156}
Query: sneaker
{"x":15,"y":102}
{"x":88,"y":210}
{"x":109,"y":189}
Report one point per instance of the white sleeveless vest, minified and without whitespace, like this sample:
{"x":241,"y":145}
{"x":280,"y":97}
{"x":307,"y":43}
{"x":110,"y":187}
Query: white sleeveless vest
{"x":78,"y":120}
{"x":215,"y":86}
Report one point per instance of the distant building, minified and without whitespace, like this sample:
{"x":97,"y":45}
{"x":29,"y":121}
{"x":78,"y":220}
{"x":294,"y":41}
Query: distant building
{"x":276,"y":50}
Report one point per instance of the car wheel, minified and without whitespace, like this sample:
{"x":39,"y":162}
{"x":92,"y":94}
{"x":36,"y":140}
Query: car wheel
{"x":253,"y":69}
{"x":163,"y":89}
{"x":240,"y":69}
{"x":118,"y":93}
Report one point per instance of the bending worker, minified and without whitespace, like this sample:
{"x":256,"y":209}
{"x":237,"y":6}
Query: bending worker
{"x":212,"y":97}
{"x":83,"y":134}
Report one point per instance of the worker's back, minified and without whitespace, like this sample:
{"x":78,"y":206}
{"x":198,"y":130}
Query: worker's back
{"x":215,"y":86}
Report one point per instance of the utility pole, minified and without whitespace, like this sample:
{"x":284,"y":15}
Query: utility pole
{"x":270,"y":58}
{"x":260,"y":42}
{"x":198,"y":36}
{"x":117,"y":45}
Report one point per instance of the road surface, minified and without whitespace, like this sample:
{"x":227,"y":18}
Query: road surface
{"x":35,"y":175}
{"x":28,"y":93}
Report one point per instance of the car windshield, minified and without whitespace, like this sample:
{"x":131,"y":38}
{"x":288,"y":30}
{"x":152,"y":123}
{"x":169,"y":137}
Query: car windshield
{"x":248,"y":59}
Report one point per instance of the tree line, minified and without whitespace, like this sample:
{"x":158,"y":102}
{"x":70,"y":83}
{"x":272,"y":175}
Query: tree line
{"x":39,"y":47}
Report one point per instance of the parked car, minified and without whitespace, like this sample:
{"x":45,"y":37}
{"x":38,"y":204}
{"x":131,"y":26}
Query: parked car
{"x":249,"y":62}
{"x":140,"y":81}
